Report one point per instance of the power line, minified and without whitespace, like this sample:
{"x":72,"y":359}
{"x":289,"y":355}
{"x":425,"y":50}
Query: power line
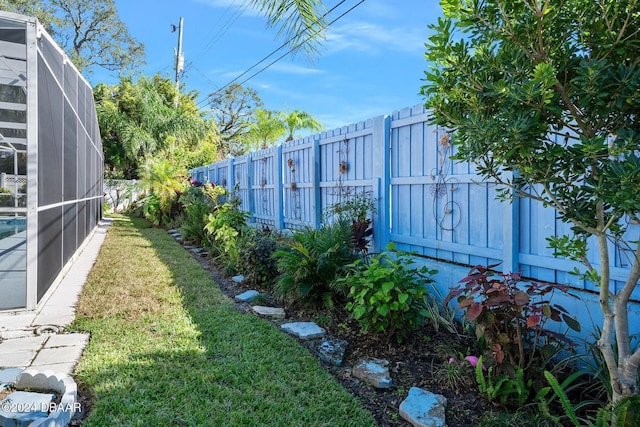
{"x":275,"y":51}
{"x":225,"y":27}
{"x":293,"y":48}
{"x":315,"y":32}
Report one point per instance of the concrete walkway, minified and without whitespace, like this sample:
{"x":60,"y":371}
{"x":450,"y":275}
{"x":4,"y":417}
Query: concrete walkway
{"x":37,"y":339}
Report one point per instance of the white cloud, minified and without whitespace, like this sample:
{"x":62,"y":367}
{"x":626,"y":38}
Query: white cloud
{"x":372,"y":37}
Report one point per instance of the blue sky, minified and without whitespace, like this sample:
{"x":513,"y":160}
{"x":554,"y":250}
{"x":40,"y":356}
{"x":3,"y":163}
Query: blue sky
{"x":371,"y":63}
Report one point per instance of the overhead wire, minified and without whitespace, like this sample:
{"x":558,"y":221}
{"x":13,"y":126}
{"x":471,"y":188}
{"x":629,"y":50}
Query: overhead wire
{"x":225,"y":27}
{"x":292,"y":49}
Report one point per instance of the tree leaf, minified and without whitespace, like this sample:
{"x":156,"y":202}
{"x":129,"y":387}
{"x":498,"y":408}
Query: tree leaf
{"x":571,"y":322}
{"x":402,"y":297}
{"x":521,"y":298}
{"x":383,"y":310}
{"x":474,"y":311}
{"x":533,"y":320}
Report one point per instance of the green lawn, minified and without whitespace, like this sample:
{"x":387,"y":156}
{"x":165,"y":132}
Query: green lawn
{"x":168,"y":349}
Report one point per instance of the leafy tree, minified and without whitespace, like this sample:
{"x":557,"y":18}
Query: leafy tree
{"x":233,"y":110}
{"x":298,"y":120}
{"x":301,"y":21}
{"x":44,"y":12}
{"x":266,"y":129}
{"x":550,"y":91}
{"x":139,"y":121}
{"x":89,"y":31}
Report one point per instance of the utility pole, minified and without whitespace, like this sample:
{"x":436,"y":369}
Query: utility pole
{"x":179,"y":58}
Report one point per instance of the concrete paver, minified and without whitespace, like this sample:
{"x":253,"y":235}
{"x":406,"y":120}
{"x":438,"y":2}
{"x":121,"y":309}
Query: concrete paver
{"x":29,"y":339}
{"x":21,"y":347}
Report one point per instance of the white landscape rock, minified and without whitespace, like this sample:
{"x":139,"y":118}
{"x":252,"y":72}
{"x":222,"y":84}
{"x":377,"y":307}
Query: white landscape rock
{"x":423,"y":408}
{"x":374,"y":372}
{"x":238,"y":279}
{"x":304,"y":330}
{"x":269,"y":312}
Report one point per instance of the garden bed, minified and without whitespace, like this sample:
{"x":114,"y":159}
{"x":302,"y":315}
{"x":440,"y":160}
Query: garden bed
{"x":418,"y":362}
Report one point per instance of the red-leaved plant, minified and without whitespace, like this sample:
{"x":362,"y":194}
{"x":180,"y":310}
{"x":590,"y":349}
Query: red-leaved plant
{"x":510,"y":316}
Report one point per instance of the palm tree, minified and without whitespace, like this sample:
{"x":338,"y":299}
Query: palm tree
{"x":297,"y":120}
{"x":162,"y":179}
{"x":266,"y":129}
{"x":302,"y":22}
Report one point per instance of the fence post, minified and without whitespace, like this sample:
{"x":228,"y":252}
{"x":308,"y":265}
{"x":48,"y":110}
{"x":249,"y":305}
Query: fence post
{"x":511,"y":233}
{"x":317,"y":195}
{"x":381,"y":175}
{"x":209,"y":176}
{"x":250,"y":203}
{"x":231,"y":176}
{"x":279,"y":207}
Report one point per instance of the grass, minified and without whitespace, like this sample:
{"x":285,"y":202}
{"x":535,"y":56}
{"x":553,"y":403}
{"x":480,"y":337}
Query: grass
{"x":167,"y":348}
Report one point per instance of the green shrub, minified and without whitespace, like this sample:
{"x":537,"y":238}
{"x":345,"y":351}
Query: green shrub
{"x":151,"y":209}
{"x":388,"y":295}
{"x":256,"y":261}
{"x":311,"y":261}
{"x":226,"y":224}
{"x":198,"y":201}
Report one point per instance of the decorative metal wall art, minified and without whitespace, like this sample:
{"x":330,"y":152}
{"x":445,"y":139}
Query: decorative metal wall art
{"x":446,"y":211}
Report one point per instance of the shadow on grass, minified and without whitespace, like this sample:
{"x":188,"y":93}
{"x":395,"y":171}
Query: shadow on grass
{"x":196,"y":360}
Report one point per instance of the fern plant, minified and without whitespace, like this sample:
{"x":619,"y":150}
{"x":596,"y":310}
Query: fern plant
{"x":310,"y":263}
{"x":623,"y":413}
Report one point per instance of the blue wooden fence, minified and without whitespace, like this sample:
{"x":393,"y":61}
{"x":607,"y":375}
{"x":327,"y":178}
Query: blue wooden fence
{"x":425,"y":202}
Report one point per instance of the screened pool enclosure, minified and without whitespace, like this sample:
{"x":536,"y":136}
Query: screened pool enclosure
{"x":50,"y":162}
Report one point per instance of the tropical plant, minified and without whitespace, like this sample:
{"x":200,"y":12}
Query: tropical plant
{"x":311,"y":261}
{"x":139,"y":120}
{"x":265,"y":130}
{"x":198,"y":201}
{"x":356,"y":208}
{"x":297,"y":120}
{"x":226,"y":225}
{"x":511,"y":318}
{"x":163,"y":182}
{"x":508,"y":390}
{"x":622,"y":414}
{"x":302,"y":22}
{"x":387,"y":295}
{"x":543,"y":98}
{"x":256,"y":261}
